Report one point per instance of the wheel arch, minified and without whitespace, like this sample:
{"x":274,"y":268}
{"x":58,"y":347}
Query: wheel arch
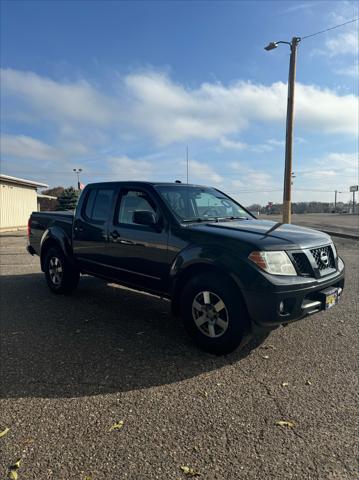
{"x":54,"y":238}
{"x":193,"y":270}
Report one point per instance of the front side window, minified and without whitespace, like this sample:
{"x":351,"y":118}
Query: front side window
{"x":132,"y":201}
{"x":200,"y":203}
{"x":98,"y":204}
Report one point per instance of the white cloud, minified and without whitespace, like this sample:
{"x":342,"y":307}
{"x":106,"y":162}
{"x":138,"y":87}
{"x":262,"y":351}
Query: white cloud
{"x":152,"y":104}
{"x":125,"y":168}
{"x":276,"y":143}
{"x":204,"y":172}
{"x":350,"y":71}
{"x":250,"y":177}
{"x":341,"y":160}
{"x":232,"y":144}
{"x":343,"y":44}
{"x":256,"y":148}
{"x":76,"y":101}
{"x":28,"y":147}
{"x":214,"y":111}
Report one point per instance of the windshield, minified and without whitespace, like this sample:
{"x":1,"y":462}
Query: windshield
{"x":190,"y":203}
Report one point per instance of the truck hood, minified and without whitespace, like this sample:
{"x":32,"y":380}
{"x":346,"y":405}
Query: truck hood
{"x":265,"y":234}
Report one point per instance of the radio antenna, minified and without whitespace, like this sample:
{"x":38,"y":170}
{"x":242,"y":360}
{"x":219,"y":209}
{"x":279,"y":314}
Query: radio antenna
{"x":187,"y":162}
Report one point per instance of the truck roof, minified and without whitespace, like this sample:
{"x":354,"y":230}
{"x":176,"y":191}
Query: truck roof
{"x":145,"y":183}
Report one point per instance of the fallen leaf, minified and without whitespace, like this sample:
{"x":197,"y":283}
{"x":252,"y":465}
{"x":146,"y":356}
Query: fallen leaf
{"x":204,"y":393}
{"x":285,"y":423}
{"x":308,"y":382}
{"x":13,"y":475}
{"x":191,"y":472}
{"x":265,"y":357}
{"x":285,"y":384}
{"x":15,"y":465}
{"x":117,"y":426}
{"x":4,"y":432}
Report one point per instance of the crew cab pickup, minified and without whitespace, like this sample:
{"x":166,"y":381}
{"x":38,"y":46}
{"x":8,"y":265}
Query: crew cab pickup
{"x":228,"y":275}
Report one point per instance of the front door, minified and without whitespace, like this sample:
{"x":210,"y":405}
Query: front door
{"x":138,"y":252}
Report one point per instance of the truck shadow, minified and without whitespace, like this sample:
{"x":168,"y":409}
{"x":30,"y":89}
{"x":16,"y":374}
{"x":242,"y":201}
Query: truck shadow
{"x":101,"y":339}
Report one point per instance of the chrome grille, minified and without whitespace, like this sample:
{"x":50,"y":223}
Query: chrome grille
{"x":323,"y":257}
{"x":302,"y":263}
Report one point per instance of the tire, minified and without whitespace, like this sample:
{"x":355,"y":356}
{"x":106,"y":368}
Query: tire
{"x":61,"y":276}
{"x":220,"y":329}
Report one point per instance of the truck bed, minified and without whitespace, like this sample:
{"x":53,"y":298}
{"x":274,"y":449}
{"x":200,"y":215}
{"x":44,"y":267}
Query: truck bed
{"x":41,"y":221}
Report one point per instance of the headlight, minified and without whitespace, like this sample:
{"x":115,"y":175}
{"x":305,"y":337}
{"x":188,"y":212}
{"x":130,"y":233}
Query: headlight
{"x":276,"y":263}
{"x":334,"y":248}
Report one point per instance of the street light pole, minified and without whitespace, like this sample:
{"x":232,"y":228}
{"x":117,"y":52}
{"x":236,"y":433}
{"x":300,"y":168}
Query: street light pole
{"x":287,"y":191}
{"x":78,"y":171}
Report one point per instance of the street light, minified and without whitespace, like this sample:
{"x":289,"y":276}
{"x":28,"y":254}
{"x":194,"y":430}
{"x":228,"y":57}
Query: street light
{"x":287,"y":191}
{"x":78,"y":171}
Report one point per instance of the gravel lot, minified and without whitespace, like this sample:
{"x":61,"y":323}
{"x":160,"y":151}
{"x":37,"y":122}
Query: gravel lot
{"x":73,"y":366}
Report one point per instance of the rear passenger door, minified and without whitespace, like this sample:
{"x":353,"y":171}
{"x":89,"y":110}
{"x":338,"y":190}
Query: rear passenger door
{"x":90,"y":230}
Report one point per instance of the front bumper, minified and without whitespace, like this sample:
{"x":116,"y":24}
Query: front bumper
{"x":264,"y":306}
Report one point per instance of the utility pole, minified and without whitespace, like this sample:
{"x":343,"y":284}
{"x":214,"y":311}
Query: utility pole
{"x":335,"y":201}
{"x":353,"y":202}
{"x":287,"y":191}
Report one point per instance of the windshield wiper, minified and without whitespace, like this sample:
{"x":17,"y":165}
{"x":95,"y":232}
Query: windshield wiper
{"x":194,"y":220}
{"x":201,"y":219}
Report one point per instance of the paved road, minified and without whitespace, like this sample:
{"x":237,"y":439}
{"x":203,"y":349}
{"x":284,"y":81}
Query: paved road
{"x":342,"y":224}
{"x":73,"y":366}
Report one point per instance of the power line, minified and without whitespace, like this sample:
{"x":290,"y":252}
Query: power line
{"x":331,"y":28}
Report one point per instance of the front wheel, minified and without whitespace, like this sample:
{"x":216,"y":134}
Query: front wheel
{"x":214,"y":314}
{"x":61,"y":276}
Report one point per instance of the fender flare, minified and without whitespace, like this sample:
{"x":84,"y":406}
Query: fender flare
{"x":200,"y":258}
{"x":55,"y":235}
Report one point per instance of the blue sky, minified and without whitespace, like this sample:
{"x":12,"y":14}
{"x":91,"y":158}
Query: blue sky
{"x":120,"y":89}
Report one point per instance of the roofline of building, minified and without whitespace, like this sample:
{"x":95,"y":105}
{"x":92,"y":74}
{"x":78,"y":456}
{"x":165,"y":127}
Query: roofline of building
{"x":22,"y":181}
{"x":49,"y":197}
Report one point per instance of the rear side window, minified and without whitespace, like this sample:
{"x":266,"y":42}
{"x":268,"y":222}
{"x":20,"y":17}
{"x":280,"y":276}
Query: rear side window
{"x":98,"y":204}
{"x":90,"y":203}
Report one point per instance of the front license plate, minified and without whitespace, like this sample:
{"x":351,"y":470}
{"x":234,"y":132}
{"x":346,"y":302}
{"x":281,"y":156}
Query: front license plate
{"x":331,"y":298}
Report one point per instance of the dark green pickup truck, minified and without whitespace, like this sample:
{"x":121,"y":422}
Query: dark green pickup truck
{"x":228,"y":275}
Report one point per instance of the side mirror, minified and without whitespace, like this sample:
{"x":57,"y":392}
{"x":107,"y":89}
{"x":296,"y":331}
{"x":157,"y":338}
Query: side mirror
{"x":144,"y":217}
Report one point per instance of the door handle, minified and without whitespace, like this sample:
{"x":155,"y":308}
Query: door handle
{"x":79,"y":229}
{"x":114,"y":234}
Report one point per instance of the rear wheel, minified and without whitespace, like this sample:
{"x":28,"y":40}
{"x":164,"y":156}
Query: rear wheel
{"x":213,"y":313}
{"x":60,"y":275}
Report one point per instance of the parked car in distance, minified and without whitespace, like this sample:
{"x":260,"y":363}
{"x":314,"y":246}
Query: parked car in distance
{"x":228,"y":275}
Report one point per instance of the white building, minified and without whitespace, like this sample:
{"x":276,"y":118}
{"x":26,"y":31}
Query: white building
{"x":18,"y":198}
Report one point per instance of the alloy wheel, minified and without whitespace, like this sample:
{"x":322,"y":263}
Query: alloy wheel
{"x":55,"y":270}
{"x":210,"y":314}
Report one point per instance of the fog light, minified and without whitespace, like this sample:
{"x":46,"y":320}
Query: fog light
{"x":281,"y":307}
